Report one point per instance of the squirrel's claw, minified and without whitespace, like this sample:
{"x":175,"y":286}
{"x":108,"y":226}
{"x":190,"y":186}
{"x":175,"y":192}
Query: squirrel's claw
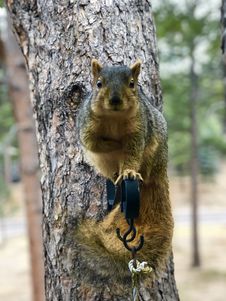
{"x":118,"y":180}
{"x":129,"y":174}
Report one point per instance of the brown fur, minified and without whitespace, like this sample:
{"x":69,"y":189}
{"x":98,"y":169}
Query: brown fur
{"x":126,"y":140}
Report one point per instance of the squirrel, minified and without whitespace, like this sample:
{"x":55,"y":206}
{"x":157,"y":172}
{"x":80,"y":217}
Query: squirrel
{"x":124,"y":136}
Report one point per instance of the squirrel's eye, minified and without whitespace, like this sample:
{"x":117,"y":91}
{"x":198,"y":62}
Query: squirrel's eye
{"x":99,"y":84}
{"x":131,"y":84}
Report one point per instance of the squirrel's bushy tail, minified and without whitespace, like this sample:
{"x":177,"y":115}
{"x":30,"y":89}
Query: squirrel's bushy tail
{"x":101,"y":245}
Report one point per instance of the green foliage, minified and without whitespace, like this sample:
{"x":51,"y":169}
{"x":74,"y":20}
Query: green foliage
{"x":6,"y":122}
{"x":186,"y":29}
{"x":208,"y":160}
{"x":6,"y":118}
{"x":4,"y":193}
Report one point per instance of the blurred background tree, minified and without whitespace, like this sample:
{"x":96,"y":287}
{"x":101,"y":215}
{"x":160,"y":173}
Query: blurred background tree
{"x":185,"y":30}
{"x":6,"y":123}
{"x":189,"y":43}
{"x":223,"y":48}
{"x":18,"y":143}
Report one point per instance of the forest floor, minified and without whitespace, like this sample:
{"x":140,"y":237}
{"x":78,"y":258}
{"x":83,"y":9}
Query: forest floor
{"x":208,"y":282}
{"x":194,"y":284}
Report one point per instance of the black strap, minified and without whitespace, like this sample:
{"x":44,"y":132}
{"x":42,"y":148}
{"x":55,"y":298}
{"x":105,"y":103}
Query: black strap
{"x":128,"y":194}
{"x":130,"y":198}
{"x":110,"y":194}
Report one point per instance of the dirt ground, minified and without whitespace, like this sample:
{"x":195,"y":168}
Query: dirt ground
{"x":194,"y":284}
{"x":14,"y":272}
{"x":209,"y":281}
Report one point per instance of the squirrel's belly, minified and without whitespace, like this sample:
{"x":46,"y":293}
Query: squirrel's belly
{"x":105,"y":163}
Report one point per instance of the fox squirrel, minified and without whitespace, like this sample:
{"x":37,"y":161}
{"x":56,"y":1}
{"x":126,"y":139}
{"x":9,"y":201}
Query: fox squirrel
{"x":124,"y":136}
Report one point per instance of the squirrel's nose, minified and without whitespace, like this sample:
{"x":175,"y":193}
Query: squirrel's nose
{"x":115,"y":100}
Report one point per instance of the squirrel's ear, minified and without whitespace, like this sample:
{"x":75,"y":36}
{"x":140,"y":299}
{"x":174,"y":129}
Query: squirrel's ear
{"x":96,"y":68}
{"x":135,"y":68}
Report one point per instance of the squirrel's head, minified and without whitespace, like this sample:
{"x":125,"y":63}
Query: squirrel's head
{"x":115,"y":88}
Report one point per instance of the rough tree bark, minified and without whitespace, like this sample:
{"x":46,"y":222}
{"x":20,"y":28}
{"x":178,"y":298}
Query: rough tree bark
{"x":58,"y":39}
{"x":19,"y":96}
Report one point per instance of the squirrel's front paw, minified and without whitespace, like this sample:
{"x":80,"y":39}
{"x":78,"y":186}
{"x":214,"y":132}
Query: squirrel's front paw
{"x":128,"y":174}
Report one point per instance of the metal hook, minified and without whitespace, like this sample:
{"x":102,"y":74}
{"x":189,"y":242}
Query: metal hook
{"x":129,"y":194}
{"x":125,"y":241}
{"x":128,"y":232}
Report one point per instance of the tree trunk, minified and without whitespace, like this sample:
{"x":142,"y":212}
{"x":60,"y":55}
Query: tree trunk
{"x":20,"y":99}
{"x":194,"y":162}
{"x":223,"y":47}
{"x":58,"y":40}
